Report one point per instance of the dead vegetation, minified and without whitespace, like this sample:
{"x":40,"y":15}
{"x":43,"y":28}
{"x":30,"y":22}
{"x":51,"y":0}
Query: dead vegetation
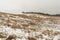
{"x":30,"y":23}
{"x":31,"y":38}
{"x":10,"y":37}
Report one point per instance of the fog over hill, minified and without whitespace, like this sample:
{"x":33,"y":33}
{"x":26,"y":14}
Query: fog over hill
{"x":17,"y":6}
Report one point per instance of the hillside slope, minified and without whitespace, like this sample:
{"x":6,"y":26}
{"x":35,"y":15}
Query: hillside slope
{"x":29,"y":27}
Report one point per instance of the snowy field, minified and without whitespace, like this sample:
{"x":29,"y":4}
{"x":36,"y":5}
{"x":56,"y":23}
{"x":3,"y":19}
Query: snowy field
{"x":29,"y":27}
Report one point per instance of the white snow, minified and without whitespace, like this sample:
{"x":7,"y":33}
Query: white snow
{"x":17,"y":32}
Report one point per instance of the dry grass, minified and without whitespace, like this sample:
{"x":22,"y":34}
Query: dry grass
{"x":31,"y":38}
{"x":10,"y":37}
{"x":29,"y":23}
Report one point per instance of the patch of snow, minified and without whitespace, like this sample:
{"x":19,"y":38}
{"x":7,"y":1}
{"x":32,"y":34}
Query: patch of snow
{"x":10,"y":31}
{"x":57,"y":37}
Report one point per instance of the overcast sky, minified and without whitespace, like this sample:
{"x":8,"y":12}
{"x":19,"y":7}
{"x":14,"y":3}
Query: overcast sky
{"x":17,"y":6}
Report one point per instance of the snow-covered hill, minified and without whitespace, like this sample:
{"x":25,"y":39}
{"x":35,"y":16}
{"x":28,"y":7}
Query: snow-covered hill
{"x":29,"y":27}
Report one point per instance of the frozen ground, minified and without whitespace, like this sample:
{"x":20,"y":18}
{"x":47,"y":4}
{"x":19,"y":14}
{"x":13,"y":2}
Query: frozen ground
{"x":29,"y":27}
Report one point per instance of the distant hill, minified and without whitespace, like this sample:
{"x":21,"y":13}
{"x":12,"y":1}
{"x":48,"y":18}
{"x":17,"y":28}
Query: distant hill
{"x":41,"y":13}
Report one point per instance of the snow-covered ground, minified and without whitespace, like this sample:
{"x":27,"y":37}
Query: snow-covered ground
{"x":21,"y":34}
{"x":29,"y":27}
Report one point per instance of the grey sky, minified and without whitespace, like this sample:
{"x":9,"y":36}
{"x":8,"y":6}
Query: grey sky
{"x":17,"y":6}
